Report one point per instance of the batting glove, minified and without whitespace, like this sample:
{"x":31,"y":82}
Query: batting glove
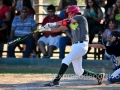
{"x":50,"y":25}
{"x":45,"y":29}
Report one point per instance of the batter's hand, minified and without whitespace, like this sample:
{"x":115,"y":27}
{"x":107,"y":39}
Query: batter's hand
{"x":45,"y":29}
{"x":49,"y":25}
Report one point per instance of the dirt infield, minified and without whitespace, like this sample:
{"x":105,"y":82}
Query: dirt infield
{"x":37,"y":81}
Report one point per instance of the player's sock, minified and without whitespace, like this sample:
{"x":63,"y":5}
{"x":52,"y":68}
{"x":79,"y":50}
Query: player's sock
{"x":90,"y":73}
{"x":61,"y":72}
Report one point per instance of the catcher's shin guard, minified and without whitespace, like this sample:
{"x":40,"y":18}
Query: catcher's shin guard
{"x":115,"y":77}
{"x":113,"y":59}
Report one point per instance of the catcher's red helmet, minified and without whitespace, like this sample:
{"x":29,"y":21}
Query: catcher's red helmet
{"x":73,"y":10}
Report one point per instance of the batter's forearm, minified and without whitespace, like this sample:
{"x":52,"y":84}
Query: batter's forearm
{"x":59,"y":23}
{"x":59,"y":29}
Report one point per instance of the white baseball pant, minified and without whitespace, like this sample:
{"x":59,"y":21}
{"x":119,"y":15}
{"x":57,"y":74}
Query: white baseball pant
{"x":75,"y":56}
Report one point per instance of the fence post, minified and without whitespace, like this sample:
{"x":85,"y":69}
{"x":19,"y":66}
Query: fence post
{"x":39,"y":10}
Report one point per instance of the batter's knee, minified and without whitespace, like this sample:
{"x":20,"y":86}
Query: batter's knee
{"x":67,"y":62}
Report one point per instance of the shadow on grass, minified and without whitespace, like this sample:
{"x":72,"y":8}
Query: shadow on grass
{"x":31,"y":69}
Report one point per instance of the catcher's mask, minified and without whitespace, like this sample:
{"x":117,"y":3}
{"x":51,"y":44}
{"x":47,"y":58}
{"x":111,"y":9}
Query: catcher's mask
{"x":72,"y":10}
{"x":116,"y":35}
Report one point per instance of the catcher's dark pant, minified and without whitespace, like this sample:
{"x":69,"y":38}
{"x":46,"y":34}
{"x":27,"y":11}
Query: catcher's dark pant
{"x":29,"y":42}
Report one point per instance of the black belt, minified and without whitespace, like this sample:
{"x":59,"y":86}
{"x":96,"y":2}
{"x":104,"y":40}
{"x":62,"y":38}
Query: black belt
{"x":78,"y":42}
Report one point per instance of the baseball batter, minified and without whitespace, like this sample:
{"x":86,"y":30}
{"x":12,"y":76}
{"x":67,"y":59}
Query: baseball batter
{"x":79,"y":26}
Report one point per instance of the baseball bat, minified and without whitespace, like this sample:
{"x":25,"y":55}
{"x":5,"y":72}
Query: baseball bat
{"x":22,"y":38}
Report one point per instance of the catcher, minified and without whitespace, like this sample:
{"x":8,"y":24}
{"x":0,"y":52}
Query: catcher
{"x":113,"y":52}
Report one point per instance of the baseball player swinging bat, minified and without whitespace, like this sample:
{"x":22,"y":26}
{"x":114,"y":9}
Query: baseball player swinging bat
{"x":22,"y":38}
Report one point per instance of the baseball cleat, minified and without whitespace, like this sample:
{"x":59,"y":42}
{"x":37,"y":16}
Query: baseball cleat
{"x":51,"y":84}
{"x":100,"y":77}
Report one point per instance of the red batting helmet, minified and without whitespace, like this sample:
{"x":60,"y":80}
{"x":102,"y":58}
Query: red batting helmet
{"x":73,"y":10}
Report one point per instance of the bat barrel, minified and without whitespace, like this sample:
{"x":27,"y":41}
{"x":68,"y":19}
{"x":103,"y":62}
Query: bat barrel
{"x":22,"y":38}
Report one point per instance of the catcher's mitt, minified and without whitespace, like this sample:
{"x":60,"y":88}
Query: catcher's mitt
{"x":118,"y":60}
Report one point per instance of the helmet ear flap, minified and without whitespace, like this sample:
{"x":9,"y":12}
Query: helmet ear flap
{"x":69,"y":13}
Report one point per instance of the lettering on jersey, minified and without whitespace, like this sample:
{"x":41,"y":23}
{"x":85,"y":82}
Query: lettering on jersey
{"x":73,"y":26}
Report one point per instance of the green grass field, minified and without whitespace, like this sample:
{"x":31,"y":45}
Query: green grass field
{"x":20,"y":69}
